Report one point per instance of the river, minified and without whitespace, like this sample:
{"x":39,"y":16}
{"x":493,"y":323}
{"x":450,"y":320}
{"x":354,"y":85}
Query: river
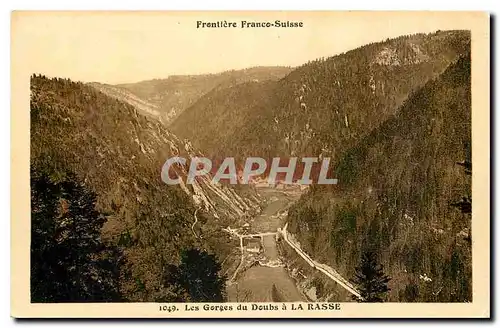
{"x":263,"y":278}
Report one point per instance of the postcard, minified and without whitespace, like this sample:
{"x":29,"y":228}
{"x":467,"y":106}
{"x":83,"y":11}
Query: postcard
{"x":273,"y":164}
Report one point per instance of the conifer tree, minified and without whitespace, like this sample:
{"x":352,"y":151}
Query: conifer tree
{"x":197,"y":278}
{"x":371,"y":280}
{"x":69,"y":262}
{"x":465,"y":204}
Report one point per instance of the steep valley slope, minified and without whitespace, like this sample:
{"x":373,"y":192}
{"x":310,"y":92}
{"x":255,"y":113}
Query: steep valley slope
{"x":118,"y":154}
{"x":395,"y":197}
{"x":321,"y":108}
{"x":395,"y":118}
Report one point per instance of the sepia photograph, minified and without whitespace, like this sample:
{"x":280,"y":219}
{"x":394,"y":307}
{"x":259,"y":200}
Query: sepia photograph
{"x":250,"y":164}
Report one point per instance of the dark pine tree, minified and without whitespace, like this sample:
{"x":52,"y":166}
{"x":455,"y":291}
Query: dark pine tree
{"x":467,"y":166}
{"x":197,"y":278}
{"x":69,"y":263}
{"x":465,"y":204}
{"x":371,"y":280}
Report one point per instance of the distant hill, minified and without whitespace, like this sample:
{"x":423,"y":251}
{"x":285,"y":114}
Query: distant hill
{"x":174,"y":94}
{"x":323,"y":107}
{"x":396,"y":195}
{"x":117,"y":153}
{"x":128,"y":97}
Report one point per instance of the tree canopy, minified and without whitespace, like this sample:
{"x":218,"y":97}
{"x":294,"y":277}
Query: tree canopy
{"x":69,"y":262}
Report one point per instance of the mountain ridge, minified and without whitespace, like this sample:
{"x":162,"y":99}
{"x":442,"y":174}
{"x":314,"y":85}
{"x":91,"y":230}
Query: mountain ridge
{"x":322,"y":107}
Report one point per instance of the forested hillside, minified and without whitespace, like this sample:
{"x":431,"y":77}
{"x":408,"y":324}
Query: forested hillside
{"x":101,"y":161}
{"x":404,"y":193}
{"x":176,"y":93}
{"x":323,"y":107}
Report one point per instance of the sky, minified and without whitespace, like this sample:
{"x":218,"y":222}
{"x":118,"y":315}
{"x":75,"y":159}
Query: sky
{"x":125,"y":47}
